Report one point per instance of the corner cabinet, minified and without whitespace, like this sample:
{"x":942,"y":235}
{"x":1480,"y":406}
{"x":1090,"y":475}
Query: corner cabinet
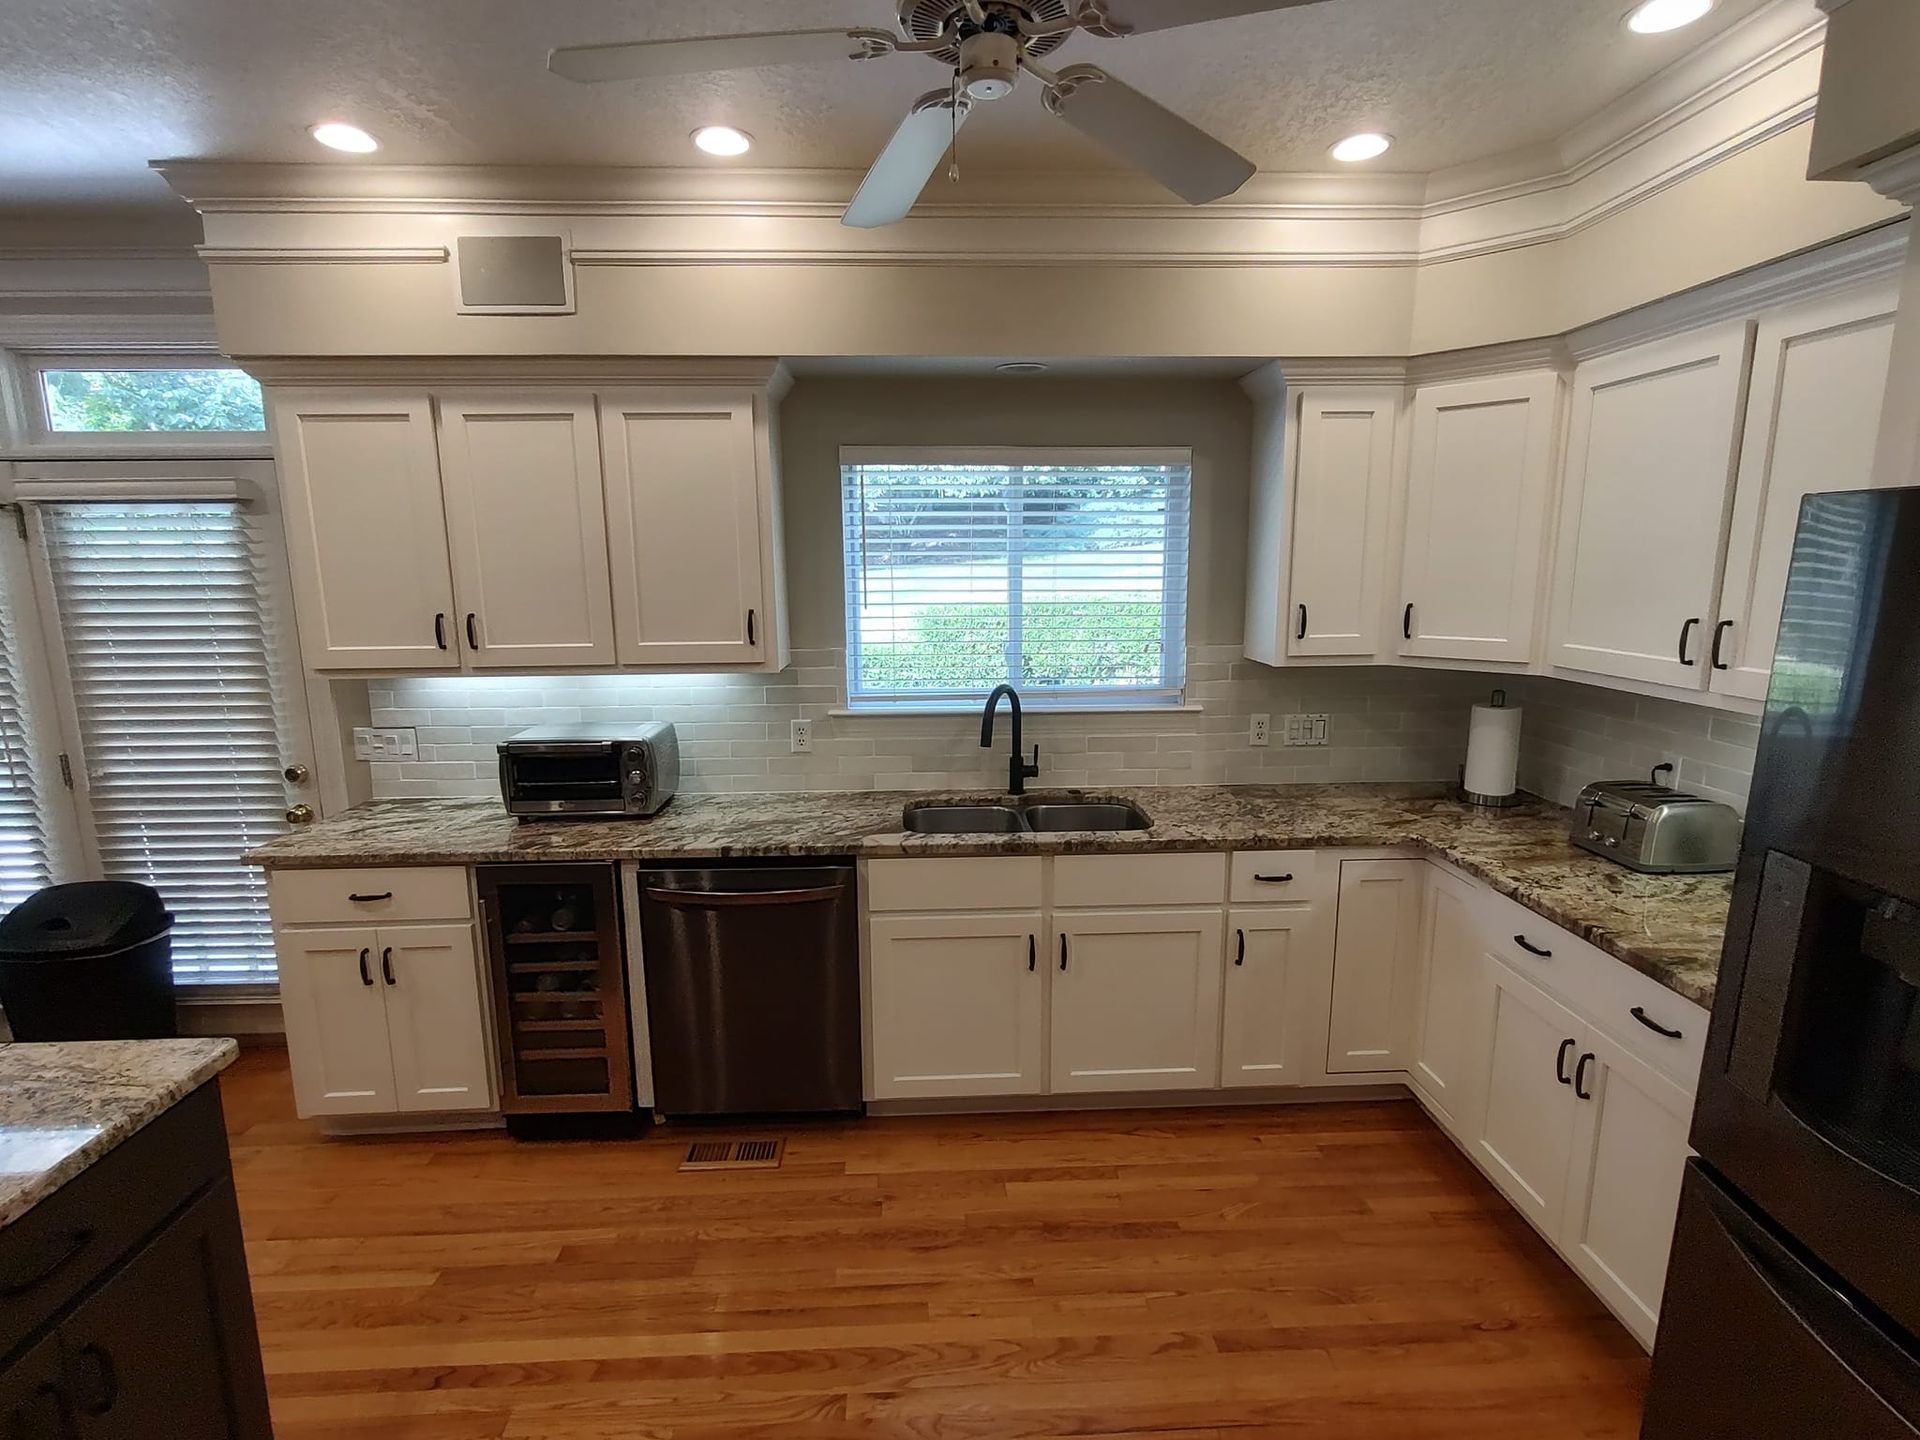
{"x":497,"y":528}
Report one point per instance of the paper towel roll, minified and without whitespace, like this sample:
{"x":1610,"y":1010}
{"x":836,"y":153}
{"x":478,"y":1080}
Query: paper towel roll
{"x":1493,"y":751}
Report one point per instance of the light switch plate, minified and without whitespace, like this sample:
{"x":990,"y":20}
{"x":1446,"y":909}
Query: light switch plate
{"x":371,"y":744}
{"x":1259,"y":730}
{"x":1307,"y":729}
{"x":801,"y":734}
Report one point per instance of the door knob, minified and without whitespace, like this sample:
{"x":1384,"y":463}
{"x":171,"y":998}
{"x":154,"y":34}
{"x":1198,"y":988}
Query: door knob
{"x":296,"y":774}
{"x":300,"y":815}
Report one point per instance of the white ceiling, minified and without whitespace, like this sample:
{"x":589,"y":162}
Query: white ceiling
{"x":93,"y":91}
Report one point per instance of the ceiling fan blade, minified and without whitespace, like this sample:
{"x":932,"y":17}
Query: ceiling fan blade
{"x":1143,"y":132}
{"x":1139,"y":17}
{"x":905,"y":166}
{"x":652,"y":59}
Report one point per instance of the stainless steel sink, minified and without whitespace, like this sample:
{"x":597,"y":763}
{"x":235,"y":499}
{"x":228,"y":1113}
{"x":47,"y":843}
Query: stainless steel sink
{"x":963,"y":820}
{"x":1087,"y":815}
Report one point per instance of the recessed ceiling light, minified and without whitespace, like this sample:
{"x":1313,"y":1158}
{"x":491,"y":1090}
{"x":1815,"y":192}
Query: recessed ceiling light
{"x":336,"y":135}
{"x":1368,"y":146}
{"x":722,"y":140}
{"x":1021,"y":367}
{"x":1656,"y":17}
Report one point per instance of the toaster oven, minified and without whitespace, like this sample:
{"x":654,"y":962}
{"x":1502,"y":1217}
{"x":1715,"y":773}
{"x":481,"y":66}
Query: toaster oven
{"x":589,"y":770}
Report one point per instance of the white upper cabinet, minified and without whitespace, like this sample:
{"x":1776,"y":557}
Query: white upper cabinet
{"x":366,"y":533}
{"x":689,"y":527}
{"x":526,"y":522}
{"x":1650,"y":460}
{"x":1813,"y":415}
{"x":1478,"y":487}
{"x":1342,"y":473}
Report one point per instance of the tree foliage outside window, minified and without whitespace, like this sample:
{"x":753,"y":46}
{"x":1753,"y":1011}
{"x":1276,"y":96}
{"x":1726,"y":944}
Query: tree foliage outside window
{"x":152,"y":400}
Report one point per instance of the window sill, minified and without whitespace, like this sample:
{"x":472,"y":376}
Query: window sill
{"x":1027,"y":707}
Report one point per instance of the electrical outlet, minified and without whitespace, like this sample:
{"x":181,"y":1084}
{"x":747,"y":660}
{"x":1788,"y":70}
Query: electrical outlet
{"x":1258,"y":730}
{"x":371,"y":744}
{"x":801,"y":735}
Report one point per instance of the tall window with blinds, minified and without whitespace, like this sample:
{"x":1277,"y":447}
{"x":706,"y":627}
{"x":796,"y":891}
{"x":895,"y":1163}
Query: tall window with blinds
{"x":1061,"y":573}
{"x":169,"y":667}
{"x":23,"y":843}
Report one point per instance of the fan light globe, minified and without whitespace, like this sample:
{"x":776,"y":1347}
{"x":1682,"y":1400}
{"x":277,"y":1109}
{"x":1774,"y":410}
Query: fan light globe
{"x":1656,"y":17}
{"x":722,"y":140}
{"x":338,"y":135}
{"x":1368,"y":146}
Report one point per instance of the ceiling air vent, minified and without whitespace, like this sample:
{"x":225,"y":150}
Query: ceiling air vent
{"x":513,"y":274}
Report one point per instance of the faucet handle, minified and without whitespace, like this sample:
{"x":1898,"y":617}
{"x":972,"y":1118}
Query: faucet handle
{"x":1033,"y":769}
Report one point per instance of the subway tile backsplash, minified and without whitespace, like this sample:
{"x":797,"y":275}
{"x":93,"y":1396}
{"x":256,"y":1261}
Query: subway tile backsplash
{"x":1386,"y":724}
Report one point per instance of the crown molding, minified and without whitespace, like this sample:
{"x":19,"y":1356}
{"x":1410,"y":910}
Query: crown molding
{"x":766,"y":374}
{"x":1310,"y":370}
{"x":80,"y":332}
{"x":1549,"y":353}
{"x":321,"y":255}
{"x":1897,"y":176}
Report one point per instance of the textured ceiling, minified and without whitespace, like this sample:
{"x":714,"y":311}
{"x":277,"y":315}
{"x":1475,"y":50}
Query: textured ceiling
{"x":93,"y":91}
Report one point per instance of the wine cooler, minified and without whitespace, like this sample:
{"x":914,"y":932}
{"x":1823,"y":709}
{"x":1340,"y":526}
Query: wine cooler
{"x":560,"y":993}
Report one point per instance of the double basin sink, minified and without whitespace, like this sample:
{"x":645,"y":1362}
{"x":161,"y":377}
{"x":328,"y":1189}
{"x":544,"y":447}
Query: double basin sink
{"x":1023,"y":817}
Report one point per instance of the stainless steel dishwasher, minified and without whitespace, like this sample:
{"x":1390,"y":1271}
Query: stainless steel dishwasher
{"x":753,"y":988}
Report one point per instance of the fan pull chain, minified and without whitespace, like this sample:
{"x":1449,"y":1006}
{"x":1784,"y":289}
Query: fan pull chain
{"x":953,"y":133}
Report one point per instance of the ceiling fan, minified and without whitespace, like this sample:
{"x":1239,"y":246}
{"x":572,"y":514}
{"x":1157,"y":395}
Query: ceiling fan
{"x":987,"y":43}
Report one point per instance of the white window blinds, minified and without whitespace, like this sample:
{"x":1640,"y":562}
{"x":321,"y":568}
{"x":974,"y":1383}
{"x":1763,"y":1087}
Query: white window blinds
{"x":1062,"y":574}
{"x":23,"y":846}
{"x":161,"y":620}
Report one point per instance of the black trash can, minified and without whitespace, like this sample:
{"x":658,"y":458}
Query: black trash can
{"x":92,"y":961}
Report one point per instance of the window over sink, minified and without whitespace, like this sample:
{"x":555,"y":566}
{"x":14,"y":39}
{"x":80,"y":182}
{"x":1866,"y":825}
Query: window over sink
{"x":1060,"y":572}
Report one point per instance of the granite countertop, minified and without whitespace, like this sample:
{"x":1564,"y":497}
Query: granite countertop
{"x":63,"y":1106}
{"x":1666,"y":926}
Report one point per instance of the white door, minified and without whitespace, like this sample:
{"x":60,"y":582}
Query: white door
{"x":1449,"y":1056}
{"x":684,"y":523}
{"x":1136,"y":1000}
{"x":1813,"y":416}
{"x":1525,"y":1135}
{"x":1274,"y":1008}
{"x":366,"y":532}
{"x":335,"y":1011}
{"x":1629,"y":1152}
{"x":436,"y":1020}
{"x":527,"y":523}
{"x":956,"y":1005}
{"x":1650,"y":458}
{"x":1343,"y":469}
{"x":1376,"y":940}
{"x":1480,"y":478}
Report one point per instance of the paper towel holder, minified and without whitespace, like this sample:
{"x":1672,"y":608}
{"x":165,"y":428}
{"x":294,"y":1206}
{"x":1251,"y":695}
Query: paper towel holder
{"x":1489,"y":802}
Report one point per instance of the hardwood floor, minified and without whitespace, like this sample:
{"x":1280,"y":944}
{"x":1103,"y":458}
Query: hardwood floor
{"x":1332,"y":1271}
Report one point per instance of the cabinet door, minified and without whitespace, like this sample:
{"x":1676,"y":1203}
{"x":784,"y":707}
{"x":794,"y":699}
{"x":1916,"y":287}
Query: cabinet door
{"x":957,"y":1005}
{"x":1449,"y":1056}
{"x":1525,"y":1134}
{"x":1629,"y":1154}
{"x":366,"y":532}
{"x":684,"y":494}
{"x":1477,"y":490}
{"x":1136,"y":1000}
{"x":1343,"y":468}
{"x":527,"y":522}
{"x":1376,"y":940}
{"x":336,"y":1017}
{"x":1274,"y":1017}
{"x":1813,"y":416}
{"x":168,"y":1345}
{"x":436,"y":1023}
{"x":1650,"y":454}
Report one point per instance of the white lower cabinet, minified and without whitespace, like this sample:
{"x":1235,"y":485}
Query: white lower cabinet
{"x":1274,"y":1006}
{"x":1449,"y":1055}
{"x":436,"y":1025}
{"x":957,"y":1005}
{"x":336,"y":1022}
{"x":1136,"y":1001}
{"x":1376,"y":941}
{"x":1525,"y":1134}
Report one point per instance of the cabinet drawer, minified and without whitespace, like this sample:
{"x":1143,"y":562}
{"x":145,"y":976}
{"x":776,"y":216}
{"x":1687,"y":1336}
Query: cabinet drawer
{"x":988,"y":882}
{"x":1135,"y":880}
{"x":1274,"y":876}
{"x":376,"y":894}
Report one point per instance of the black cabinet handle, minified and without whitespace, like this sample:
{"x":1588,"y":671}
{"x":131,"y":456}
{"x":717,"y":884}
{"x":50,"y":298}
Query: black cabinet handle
{"x":1240,"y":950}
{"x":1560,"y":1063}
{"x":1654,"y":1025}
{"x":1686,"y":631}
{"x":76,"y":1242}
{"x":1063,"y":952}
{"x":1286,"y":879}
{"x":369,"y":899}
{"x":386,"y":966}
{"x":1531,"y":948}
{"x":1580,"y":1077}
{"x":440,"y":629}
{"x":366,"y":976}
{"x":1720,"y":634}
{"x":1301,"y":632}
{"x":473,"y":631}
{"x":107,"y":1376}
{"x":750,"y":619}
{"x":1033,"y":954}
{"x":1406,"y":622}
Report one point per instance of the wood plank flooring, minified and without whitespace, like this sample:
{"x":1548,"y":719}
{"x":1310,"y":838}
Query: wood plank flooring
{"x":1332,"y":1271}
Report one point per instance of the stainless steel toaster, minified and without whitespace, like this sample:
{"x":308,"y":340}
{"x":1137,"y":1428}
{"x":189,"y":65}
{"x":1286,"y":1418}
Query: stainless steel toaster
{"x":1656,"y":830}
